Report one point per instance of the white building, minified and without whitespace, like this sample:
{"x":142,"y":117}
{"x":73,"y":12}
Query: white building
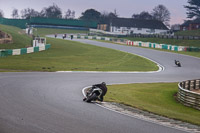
{"x":136,"y":26}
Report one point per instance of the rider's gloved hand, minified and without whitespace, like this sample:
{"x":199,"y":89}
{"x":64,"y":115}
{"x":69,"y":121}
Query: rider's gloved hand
{"x":84,"y":99}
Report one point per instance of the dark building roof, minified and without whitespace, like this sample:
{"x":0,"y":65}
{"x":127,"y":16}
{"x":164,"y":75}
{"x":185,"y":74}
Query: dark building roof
{"x":186,"y":23}
{"x":138,"y":23}
{"x":196,"y":21}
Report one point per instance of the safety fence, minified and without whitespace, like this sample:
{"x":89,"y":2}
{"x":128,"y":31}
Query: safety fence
{"x":72,"y":23}
{"x":21,"y":23}
{"x":7,"y":52}
{"x":189,"y":93}
{"x":162,"y":46}
{"x":177,"y":37}
{"x":62,"y":22}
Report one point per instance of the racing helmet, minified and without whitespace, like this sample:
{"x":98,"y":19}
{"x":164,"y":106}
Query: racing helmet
{"x":103,"y":83}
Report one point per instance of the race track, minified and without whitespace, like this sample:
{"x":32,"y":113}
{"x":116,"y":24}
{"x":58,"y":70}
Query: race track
{"x":51,"y":102}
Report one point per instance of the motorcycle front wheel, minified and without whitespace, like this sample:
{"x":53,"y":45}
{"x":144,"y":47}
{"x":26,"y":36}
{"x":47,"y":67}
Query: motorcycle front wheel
{"x":91,"y":98}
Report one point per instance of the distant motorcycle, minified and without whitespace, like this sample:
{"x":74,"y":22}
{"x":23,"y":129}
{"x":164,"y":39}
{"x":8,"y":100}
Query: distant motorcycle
{"x":177,"y":63}
{"x":93,"y":94}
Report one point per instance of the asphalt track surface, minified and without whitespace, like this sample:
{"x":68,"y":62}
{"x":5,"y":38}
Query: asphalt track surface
{"x":51,"y":102}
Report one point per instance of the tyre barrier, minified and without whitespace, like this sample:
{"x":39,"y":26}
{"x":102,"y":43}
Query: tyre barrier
{"x":7,"y":52}
{"x":100,"y":38}
{"x":189,"y":93}
{"x":142,"y":44}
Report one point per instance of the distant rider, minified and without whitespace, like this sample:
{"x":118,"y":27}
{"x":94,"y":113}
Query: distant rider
{"x":72,"y":36}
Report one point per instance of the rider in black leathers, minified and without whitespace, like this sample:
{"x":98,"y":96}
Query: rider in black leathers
{"x":104,"y":89}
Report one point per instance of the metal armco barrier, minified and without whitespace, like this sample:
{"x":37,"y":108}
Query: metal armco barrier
{"x":187,"y":95}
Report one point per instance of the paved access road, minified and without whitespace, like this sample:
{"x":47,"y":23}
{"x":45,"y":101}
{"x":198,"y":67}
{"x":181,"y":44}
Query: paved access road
{"x":50,"y":102}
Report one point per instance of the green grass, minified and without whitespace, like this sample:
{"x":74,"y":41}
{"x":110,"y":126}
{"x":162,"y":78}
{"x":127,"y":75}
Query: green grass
{"x":47,"y":31}
{"x":73,"y":56}
{"x":20,"y":39}
{"x":195,"y":43}
{"x":69,"y":56}
{"x":153,"y":97}
{"x":188,"y":33}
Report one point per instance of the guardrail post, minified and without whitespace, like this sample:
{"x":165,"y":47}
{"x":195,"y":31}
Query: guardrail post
{"x":192,"y":82}
{"x":183,"y":84}
{"x":197,"y":86}
{"x":187,"y":85}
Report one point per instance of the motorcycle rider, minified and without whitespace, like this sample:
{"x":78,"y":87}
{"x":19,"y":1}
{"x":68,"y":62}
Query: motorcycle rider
{"x":177,"y":63}
{"x":104,"y":89}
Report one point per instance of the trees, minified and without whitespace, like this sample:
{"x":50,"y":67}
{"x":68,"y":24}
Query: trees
{"x":28,"y":13}
{"x":69,"y":14}
{"x":112,"y":15}
{"x":15,"y":13}
{"x":143,"y":15}
{"x":161,"y":13}
{"x":1,"y":13}
{"x":51,"y":12}
{"x":106,"y":17}
{"x":193,"y":9}
{"x":91,"y":14}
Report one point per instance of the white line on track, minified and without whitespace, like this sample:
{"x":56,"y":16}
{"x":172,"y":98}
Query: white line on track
{"x":161,"y":68}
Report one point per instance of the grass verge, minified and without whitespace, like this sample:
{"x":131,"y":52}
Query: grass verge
{"x":153,"y":97}
{"x":73,"y":56}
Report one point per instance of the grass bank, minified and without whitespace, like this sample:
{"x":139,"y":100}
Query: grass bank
{"x":73,"y":56}
{"x":153,"y":97}
{"x":20,"y":39}
{"x":68,"y":56}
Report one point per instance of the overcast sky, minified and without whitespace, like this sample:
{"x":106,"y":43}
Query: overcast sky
{"x":125,"y":8}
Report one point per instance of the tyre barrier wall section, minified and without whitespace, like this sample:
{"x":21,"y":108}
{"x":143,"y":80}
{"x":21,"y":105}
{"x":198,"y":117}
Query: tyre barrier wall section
{"x":162,"y":46}
{"x":142,"y":44}
{"x":22,"y":51}
{"x":187,"y":93}
{"x":100,"y":38}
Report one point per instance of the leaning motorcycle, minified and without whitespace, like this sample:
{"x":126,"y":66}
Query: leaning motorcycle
{"x":178,"y":63}
{"x":93,"y":94}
